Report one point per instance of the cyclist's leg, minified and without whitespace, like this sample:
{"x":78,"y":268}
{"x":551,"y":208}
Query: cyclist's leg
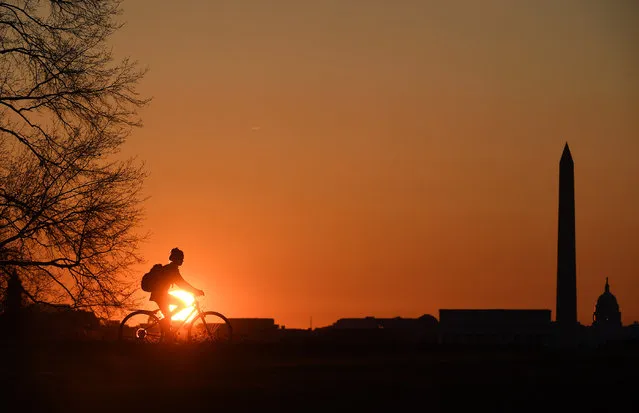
{"x":163,"y":303}
{"x":179,"y":304}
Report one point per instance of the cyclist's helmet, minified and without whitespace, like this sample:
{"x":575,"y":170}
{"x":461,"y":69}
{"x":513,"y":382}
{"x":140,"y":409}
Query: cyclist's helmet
{"x":176,"y":255}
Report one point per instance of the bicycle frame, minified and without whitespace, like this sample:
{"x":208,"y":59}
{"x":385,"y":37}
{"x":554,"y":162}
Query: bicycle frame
{"x":195,"y":313}
{"x":195,"y":309}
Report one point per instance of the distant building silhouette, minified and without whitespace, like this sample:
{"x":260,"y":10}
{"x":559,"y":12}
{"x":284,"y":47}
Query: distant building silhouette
{"x":494,"y":327}
{"x":59,"y":322}
{"x":425,"y":321}
{"x":566,"y":310}
{"x":607,"y":314}
{"x":12,"y":306}
{"x":254,"y":329}
{"x":631,"y":332}
{"x":357,"y":323}
{"x":422,"y":329}
{"x":606,"y":320}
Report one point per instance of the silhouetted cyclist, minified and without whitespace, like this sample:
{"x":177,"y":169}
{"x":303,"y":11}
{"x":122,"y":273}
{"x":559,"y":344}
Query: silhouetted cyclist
{"x":160,"y":294}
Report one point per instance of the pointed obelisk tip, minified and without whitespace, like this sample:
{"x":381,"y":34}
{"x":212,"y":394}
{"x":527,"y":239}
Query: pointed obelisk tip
{"x":566,"y":154}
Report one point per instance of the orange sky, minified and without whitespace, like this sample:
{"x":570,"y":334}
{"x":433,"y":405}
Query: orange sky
{"x":339,"y":158}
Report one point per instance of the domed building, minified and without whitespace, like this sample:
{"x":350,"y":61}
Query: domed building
{"x":607,"y":312}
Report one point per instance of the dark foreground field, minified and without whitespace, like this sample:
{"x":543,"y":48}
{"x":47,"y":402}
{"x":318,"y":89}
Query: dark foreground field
{"x":90,"y":377}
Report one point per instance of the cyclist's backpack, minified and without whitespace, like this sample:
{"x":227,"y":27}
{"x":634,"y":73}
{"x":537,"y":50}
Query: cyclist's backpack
{"x":151,"y":278}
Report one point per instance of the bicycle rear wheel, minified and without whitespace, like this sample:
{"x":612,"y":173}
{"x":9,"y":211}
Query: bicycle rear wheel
{"x":210,"y":327}
{"x":141,"y":327}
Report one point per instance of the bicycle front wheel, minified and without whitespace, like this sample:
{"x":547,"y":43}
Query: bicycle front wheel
{"x":141,"y":327}
{"x":210,"y":327}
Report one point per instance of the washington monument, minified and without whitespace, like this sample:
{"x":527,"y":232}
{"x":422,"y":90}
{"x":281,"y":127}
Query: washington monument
{"x":566,"y":311}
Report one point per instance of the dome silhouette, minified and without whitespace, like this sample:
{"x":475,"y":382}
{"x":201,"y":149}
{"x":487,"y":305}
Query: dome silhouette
{"x":428,"y":320}
{"x":607,"y":309}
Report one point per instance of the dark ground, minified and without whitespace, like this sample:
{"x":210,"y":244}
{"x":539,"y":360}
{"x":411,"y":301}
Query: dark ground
{"x":90,"y":377}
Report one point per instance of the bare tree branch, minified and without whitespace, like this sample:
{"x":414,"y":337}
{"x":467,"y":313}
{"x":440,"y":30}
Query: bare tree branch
{"x":69,"y":208}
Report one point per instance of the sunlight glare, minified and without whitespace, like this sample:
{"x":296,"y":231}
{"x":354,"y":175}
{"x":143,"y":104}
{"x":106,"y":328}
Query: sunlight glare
{"x":188,"y":300}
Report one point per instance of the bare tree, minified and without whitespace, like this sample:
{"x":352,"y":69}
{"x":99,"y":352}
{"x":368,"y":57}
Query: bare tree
{"x":69,"y":206}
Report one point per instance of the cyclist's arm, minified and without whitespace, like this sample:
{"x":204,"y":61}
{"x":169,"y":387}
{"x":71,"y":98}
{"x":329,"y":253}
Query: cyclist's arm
{"x":181,"y":282}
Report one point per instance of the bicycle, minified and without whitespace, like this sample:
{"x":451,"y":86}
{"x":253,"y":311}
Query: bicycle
{"x":143,"y":326}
